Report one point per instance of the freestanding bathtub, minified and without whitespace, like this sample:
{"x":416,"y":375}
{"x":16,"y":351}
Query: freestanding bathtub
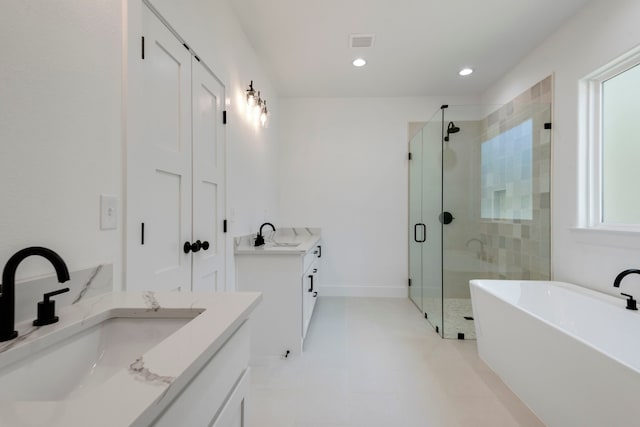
{"x":571,"y":354}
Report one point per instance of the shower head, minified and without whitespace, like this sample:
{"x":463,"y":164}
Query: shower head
{"x":451,"y":128}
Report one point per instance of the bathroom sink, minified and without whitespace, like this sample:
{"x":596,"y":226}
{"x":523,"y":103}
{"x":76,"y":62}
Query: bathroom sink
{"x":283,"y":245}
{"x":75,"y":364}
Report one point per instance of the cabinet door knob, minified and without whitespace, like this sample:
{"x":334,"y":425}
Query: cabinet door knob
{"x":315,"y":294}
{"x":205,"y":245}
{"x":195,"y":247}
{"x":315,"y":270}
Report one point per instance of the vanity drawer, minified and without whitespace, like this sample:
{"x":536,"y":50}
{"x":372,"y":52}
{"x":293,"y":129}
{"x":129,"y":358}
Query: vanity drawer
{"x":204,"y":396}
{"x":310,"y":257}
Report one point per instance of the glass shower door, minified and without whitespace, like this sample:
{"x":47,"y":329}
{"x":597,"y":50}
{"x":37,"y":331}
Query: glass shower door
{"x":425,"y":230}
{"x":415,"y":220}
{"x":431,"y":209}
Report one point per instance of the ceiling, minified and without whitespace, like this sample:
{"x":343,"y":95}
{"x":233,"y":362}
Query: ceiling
{"x":419,"y":44}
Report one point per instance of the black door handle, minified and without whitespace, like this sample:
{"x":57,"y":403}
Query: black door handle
{"x":424,"y":232}
{"x":193,"y":247}
{"x":205,"y":245}
{"x":311,"y":288}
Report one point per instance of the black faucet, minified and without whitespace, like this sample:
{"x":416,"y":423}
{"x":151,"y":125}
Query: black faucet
{"x":8,"y":300}
{"x":260,"y":237}
{"x":631,"y":303}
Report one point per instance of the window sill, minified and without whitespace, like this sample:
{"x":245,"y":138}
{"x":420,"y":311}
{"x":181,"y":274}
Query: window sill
{"x":614,"y":237}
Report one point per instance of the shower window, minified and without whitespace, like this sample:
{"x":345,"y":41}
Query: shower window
{"x":505,"y":180}
{"x":614,"y":96}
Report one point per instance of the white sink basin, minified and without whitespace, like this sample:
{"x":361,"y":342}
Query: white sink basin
{"x":282,"y":245}
{"x":77,"y":364}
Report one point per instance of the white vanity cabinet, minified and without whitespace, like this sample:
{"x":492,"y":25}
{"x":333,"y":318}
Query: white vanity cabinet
{"x":289,"y":281}
{"x":309,"y":295}
{"x":216,"y":397}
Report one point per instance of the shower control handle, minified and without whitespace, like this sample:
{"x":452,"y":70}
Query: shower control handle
{"x":446,"y":218}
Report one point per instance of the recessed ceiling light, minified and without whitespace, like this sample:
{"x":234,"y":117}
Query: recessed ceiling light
{"x":465,"y":71}
{"x":359,"y":62}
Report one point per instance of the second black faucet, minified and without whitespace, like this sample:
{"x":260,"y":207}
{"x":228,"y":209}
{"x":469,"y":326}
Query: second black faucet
{"x":260,"y":237}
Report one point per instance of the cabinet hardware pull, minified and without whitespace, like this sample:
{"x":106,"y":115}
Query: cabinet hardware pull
{"x":315,"y":294}
{"x":315,"y":270}
{"x":205,"y":245}
{"x":311,"y":288}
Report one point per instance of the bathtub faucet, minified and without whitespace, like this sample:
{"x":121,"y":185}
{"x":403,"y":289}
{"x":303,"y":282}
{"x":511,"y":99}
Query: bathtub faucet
{"x":631,"y":303}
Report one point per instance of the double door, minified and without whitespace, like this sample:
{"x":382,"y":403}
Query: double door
{"x":176,"y":170}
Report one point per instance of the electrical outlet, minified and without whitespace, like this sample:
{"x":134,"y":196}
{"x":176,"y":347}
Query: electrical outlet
{"x":108,"y":212}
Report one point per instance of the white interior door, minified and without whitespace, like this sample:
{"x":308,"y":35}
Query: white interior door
{"x":208,"y":180}
{"x":160,"y":165}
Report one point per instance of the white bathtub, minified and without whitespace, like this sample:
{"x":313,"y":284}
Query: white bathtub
{"x":571,"y":354}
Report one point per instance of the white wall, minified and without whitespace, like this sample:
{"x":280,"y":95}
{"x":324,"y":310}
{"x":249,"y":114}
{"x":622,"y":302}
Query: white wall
{"x":596,"y":35}
{"x":62,"y":123}
{"x":60,"y":130}
{"x":344,"y":168}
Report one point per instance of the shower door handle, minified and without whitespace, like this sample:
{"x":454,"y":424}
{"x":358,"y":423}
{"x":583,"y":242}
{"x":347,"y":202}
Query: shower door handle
{"x":424,"y":232}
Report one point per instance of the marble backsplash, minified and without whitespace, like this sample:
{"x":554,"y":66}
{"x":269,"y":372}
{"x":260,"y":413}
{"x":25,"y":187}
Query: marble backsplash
{"x":82,"y":284}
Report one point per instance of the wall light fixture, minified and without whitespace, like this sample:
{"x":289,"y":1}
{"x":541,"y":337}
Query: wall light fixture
{"x":256,"y":105}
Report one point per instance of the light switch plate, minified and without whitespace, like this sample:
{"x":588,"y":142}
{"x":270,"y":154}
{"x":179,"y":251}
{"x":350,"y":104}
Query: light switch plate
{"x":108,"y":212}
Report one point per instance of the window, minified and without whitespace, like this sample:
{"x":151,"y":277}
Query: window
{"x":506,"y":179}
{"x":614,"y":135}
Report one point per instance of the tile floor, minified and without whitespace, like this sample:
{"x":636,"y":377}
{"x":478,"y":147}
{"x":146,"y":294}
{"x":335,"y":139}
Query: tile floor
{"x":455,"y":310}
{"x":375,"y":362}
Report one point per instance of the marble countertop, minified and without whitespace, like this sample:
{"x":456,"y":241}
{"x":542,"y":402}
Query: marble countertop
{"x":293,"y":240}
{"x":137,"y":394}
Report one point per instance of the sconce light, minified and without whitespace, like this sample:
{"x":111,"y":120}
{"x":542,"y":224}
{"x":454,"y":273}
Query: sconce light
{"x":251,"y":95}
{"x":263,"y":114}
{"x":256,"y":105}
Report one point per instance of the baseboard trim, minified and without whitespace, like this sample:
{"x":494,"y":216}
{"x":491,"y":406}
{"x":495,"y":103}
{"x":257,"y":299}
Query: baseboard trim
{"x":364,"y":291}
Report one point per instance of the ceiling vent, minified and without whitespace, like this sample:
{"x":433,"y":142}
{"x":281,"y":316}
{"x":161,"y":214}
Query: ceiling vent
{"x":361,"y":40}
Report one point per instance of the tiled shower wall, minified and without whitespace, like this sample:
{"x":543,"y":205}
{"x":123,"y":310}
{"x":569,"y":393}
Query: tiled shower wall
{"x":521,"y":248}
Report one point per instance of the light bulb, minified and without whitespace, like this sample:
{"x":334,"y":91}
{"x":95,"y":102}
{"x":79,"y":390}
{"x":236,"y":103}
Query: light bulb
{"x":359,"y":62}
